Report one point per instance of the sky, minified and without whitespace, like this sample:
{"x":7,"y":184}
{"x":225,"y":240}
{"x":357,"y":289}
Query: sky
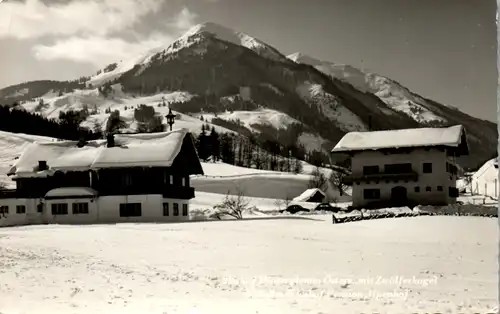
{"x":444,"y":50}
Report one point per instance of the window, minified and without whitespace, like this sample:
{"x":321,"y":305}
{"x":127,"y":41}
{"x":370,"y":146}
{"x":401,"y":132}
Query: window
{"x":428,"y":189}
{"x":371,"y":194}
{"x":166,"y":209}
{"x":183,"y":183}
{"x":130,"y":210}
{"x":4,"y":210}
{"x":20,"y":209}
{"x":427,"y":167}
{"x":184,"y":209}
{"x":453,"y":192}
{"x":176,"y":209}
{"x":417,"y":189}
{"x":171,"y":179}
{"x":397,"y":168}
{"x":127,"y":179}
{"x":39,"y":208}
{"x":440,"y":188}
{"x":367,"y":170}
{"x":80,"y":208}
{"x":59,"y":209}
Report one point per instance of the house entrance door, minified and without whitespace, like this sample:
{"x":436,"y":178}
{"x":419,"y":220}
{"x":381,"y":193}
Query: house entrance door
{"x":399,"y":195}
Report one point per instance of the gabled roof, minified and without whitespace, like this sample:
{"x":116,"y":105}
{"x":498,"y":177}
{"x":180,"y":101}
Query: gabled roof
{"x":131,"y":150}
{"x":453,"y":136}
{"x":307,"y":194}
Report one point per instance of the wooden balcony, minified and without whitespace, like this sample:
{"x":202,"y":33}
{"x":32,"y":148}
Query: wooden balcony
{"x":409,"y":176}
{"x":4,"y":194}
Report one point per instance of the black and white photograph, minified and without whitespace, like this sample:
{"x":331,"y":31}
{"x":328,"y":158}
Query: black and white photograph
{"x":249,"y":156}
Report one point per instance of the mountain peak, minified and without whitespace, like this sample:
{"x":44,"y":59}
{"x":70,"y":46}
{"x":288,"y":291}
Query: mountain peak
{"x":235,"y":37}
{"x":213,"y":28}
{"x":299,"y":57}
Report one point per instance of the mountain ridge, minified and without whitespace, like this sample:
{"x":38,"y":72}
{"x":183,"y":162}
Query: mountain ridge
{"x":222,"y":69}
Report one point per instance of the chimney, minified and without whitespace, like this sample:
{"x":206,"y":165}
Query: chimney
{"x":42,"y":165}
{"x":111,"y":140}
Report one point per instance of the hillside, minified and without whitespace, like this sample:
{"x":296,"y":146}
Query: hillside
{"x":215,"y":71}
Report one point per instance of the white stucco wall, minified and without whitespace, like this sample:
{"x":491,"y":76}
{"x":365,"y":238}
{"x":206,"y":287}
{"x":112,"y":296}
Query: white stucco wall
{"x":104,"y":209}
{"x":438,"y":177}
{"x":12,"y":218}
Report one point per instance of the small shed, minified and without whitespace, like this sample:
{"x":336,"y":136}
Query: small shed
{"x":311,"y":195}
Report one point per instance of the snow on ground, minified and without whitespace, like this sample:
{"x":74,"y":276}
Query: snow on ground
{"x":223,"y":178}
{"x":485,"y":180}
{"x":302,"y":265}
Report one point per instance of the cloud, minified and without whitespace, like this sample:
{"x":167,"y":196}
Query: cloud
{"x":101,"y":50}
{"x":33,"y":18}
{"x":185,"y":19}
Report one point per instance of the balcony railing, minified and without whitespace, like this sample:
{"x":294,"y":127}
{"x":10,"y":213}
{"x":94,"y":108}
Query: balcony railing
{"x":409,"y":176}
{"x":8,"y":194}
{"x":183,"y":193}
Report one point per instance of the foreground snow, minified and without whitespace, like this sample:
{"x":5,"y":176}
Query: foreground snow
{"x":438,"y":264}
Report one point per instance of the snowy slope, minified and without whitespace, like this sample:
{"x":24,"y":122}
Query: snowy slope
{"x":91,"y":99}
{"x":276,"y":119}
{"x":390,"y":92}
{"x":121,"y":67}
{"x":331,"y":107}
{"x":416,"y":265}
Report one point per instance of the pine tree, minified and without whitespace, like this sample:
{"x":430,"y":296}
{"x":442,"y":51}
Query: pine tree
{"x":201,"y":144}
{"x":215,"y":144}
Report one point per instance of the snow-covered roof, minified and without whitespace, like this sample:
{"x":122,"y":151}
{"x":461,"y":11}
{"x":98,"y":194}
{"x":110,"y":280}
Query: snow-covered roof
{"x":307,"y":194}
{"x":131,"y":150}
{"x":74,"y":191}
{"x":420,"y":137}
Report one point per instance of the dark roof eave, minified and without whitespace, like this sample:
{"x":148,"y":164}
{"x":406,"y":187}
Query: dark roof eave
{"x":350,"y":151}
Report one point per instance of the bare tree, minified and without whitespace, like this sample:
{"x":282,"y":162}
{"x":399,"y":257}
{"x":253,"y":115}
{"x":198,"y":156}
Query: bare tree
{"x":283,"y":203}
{"x":232,"y":205}
{"x":468,"y":183}
{"x":318,"y":180}
{"x":336,"y":179}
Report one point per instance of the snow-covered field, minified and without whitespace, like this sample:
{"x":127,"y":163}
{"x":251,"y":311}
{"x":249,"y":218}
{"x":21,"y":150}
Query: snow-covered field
{"x":405,"y":265}
{"x":223,"y":178}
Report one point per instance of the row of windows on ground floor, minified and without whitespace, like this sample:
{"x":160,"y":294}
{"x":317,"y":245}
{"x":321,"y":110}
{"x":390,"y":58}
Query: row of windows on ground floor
{"x":375,"y":193}
{"x":126,"y":210}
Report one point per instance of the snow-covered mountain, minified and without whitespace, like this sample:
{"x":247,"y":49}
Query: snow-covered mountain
{"x":396,"y":96}
{"x":217,"y":71}
{"x":193,"y":36}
